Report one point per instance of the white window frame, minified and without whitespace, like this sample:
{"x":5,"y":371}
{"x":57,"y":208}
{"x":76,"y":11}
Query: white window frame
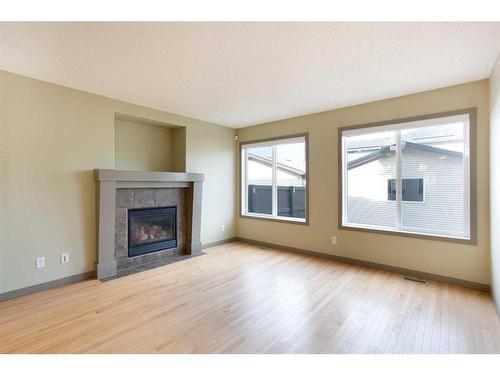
{"x":244,"y":178}
{"x":468,"y":118}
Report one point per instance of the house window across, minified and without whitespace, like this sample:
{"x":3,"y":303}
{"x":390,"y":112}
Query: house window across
{"x":412,"y":189}
{"x":387,"y":168}
{"x":274,"y":179}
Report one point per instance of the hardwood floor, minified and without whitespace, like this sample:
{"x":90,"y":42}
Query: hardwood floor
{"x":241,"y":298}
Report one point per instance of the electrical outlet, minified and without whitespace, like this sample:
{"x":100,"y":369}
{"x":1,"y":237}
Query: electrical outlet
{"x":334,"y":240}
{"x":222,"y":228}
{"x":64,"y":257}
{"x":40,"y":262}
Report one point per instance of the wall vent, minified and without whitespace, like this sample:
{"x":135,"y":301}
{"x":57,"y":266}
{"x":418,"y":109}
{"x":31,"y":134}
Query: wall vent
{"x":415,"y":279}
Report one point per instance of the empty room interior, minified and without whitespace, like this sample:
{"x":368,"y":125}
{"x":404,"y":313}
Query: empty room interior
{"x":250,"y":187}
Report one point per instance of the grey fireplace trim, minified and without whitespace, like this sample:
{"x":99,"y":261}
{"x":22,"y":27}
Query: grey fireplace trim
{"x":108,"y":180}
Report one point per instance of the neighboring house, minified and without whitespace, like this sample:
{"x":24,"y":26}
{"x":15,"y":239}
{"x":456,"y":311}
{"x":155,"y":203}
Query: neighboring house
{"x":288,"y":173}
{"x":432,"y":183}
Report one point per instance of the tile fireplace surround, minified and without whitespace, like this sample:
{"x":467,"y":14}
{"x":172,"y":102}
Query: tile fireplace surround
{"x":119,"y":190}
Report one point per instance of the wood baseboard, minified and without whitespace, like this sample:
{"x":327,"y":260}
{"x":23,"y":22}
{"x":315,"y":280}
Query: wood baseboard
{"x":384,"y":267}
{"x":49,"y":284}
{"x":217,"y":243}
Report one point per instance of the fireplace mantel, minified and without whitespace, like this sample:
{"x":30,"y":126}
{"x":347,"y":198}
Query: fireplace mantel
{"x":145,"y":176}
{"x":109,"y":180}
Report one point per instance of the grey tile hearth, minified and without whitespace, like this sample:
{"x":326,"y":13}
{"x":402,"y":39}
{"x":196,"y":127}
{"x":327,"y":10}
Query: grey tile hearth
{"x":157,"y":263}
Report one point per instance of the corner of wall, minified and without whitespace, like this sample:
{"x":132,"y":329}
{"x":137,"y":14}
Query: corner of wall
{"x":494,"y":85}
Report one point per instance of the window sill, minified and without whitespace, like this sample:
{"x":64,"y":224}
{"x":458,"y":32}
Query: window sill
{"x":404,"y":202}
{"x":279,"y":219}
{"x":406,"y":233}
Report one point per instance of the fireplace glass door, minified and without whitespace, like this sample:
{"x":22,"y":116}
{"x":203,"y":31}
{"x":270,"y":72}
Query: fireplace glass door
{"x":151,"y":229}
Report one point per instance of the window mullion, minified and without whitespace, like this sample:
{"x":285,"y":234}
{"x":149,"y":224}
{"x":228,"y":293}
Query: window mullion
{"x":466,"y":178}
{"x":244,"y":192}
{"x":345,"y":182}
{"x":275,"y":187}
{"x":399,"y":182}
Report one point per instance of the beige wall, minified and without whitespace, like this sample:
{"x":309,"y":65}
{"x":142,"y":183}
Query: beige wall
{"x":495,"y":180}
{"x":51,"y":139}
{"x":178,"y":150}
{"x":142,"y":146}
{"x":444,"y":258}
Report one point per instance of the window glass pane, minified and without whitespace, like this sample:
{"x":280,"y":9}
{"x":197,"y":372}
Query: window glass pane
{"x":291,"y":179}
{"x":432,"y":175}
{"x":435,"y":156}
{"x":371,"y":163}
{"x":259,"y":180}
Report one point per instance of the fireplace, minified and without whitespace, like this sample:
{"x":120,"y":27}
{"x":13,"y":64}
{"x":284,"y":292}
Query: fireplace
{"x":151,"y":229}
{"x":121,"y":195}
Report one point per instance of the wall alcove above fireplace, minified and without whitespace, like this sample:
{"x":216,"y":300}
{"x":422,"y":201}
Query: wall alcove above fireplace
{"x":144,"y":144}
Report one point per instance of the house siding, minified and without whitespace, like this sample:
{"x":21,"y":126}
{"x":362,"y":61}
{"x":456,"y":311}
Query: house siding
{"x":259,"y":174}
{"x":443,"y":206}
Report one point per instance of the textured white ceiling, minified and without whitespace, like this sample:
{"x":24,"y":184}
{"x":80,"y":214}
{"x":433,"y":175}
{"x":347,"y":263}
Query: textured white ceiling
{"x":240,"y":74}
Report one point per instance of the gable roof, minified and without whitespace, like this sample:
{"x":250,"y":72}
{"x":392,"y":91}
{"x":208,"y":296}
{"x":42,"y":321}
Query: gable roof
{"x":390,"y":149}
{"x":265,"y":160}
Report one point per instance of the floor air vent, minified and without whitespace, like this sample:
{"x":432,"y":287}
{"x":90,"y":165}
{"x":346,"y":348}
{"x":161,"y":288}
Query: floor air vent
{"x":415,"y":279}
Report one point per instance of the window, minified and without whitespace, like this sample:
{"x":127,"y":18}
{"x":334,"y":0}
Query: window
{"x":274,"y":179}
{"x":409,"y":176}
{"x":412,"y":190}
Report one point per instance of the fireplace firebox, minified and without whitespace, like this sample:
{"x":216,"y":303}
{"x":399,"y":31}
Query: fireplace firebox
{"x":151,"y":229}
